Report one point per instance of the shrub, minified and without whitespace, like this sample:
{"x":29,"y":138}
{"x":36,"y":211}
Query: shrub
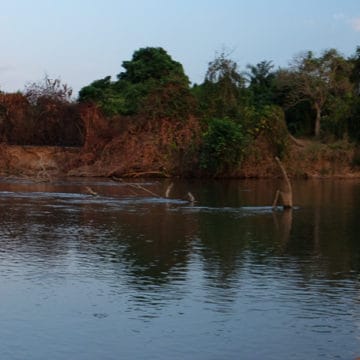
{"x":269,"y":121}
{"x":222,"y":146}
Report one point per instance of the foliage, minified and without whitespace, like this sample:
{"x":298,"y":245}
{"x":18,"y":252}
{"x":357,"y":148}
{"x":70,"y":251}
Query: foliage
{"x":274,"y":126}
{"x":153,"y":84}
{"x":55,"y":123}
{"x":97,"y":128}
{"x":14,"y":118}
{"x":261,"y":83}
{"x":316,"y":80}
{"x":269,"y":121}
{"x":223,"y":146}
{"x":355,"y":75}
{"x":48,"y":89}
{"x":150,"y":115}
{"x":53,"y":118}
{"x":43,"y":115}
{"x":151,"y":64}
{"x":220,"y":94}
{"x":169,"y":100}
{"x":103,"y":93}
{"x":336,"y":117}
{"x":354,"y":121}
{"x":300,"y":119}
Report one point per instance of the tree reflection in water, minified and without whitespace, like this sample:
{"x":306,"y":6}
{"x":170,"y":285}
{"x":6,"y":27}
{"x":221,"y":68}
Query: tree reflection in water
{"x":226,"y":257}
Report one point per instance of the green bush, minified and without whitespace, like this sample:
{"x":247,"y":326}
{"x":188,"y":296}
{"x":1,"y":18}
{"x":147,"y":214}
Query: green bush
{"x":276,"y":129}
{"x":222,"y":146}
{"x":268,"y":120}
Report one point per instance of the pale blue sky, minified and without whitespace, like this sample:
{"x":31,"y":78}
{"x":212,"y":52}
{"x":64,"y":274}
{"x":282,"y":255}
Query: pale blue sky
{"x":83,"y":40}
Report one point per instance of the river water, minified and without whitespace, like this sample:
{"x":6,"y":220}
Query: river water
{"x":128,"y":274}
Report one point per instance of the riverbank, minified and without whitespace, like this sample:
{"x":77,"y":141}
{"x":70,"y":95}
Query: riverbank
{"x":304,"y":159}
{"x":36,"y":161}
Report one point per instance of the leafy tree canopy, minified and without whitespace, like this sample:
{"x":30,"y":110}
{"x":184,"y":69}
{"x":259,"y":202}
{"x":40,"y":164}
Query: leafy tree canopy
{"x":151,"y":63}
{"x":220,"y":94}
{"x":261,"y":82}
{"x":317,"y":80}
{"x":355,"y":76}
{"x":153,"y":84}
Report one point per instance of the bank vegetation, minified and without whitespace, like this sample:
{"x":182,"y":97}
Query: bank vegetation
{"x":150,"y":121}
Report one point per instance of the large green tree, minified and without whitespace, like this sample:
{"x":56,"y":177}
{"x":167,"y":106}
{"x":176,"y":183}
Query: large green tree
{"x":354,"y":121}
{"x":220,"y":94}
{"x":155,"y":85}
{"x":261,"y":83}
{"x":151,"y":64}
{"x":152,"y":85}
{"x":355,"y":76}
{"x":103,"y":93}
{"x":317,"y":81}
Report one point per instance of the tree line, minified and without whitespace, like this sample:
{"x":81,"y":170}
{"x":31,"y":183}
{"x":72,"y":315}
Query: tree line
{"x":206,"y":126}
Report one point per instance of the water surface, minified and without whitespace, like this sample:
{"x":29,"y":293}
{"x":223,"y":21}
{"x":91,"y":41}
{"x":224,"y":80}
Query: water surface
{"x":132,"y":275}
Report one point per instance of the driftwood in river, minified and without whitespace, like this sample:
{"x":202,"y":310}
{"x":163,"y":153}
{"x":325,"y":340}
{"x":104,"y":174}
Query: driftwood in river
{"x":90,"y":191}
{"x":286,"y":190}
{"x":190,"y":196}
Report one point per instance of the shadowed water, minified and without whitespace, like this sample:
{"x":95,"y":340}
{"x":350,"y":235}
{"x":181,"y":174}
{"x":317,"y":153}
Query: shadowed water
{"x":135,"y":276}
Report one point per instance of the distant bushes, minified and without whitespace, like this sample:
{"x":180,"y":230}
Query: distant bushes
{"x":42,"y":115}
{"x":149,"y":118}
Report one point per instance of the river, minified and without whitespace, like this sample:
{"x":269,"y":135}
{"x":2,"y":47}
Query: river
{"x":129,"y":274}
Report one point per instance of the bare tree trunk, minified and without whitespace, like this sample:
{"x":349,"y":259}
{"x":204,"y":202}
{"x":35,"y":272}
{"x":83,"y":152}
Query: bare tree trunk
{"x":286,"y":191}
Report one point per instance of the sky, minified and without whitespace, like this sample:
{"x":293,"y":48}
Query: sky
{"x":80,"y":41}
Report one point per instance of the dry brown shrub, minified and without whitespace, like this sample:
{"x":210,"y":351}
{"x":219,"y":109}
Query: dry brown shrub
{"x":97,"y":131}
{"x":259,"y":160}
{"x":14,"y":118}
{"x":172,"y":100}
{"x":160,"y":147}
{"x":56,"y":123}
{"x":48,"y":122}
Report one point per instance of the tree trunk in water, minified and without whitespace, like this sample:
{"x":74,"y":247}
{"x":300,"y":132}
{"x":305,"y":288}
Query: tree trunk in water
{"x":317,"y":121}
{"x":286,"y":191}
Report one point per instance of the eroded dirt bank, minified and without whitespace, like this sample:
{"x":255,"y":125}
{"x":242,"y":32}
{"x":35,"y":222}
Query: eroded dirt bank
{"x":311,"y":159}
{"x":36,"y":161}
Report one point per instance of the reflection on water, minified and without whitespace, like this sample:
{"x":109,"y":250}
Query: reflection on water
{"x":132,"y":276}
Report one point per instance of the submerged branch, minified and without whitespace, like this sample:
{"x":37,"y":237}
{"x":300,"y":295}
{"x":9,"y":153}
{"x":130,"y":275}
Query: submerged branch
{"x":190,"y":196}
